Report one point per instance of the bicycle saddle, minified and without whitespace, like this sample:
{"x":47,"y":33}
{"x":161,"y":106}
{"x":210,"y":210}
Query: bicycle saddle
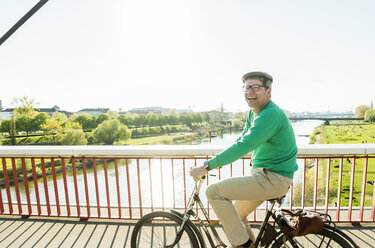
{"x":279,"y":199}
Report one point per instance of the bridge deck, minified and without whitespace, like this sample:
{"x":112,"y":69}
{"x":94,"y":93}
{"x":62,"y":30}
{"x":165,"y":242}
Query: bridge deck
{"x":40,"y":232}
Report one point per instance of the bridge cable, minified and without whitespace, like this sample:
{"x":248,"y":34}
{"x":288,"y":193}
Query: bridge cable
{"x":22,"y":21}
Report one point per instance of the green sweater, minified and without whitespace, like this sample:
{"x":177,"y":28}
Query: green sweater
{"x":270,"y":135}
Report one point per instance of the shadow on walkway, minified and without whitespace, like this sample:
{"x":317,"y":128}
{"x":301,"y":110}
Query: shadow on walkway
{"x":47,"y":232}
{"x":35,"y":232}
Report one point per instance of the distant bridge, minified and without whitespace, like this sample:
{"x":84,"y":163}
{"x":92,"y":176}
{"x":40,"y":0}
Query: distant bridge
{"x":325,"y":119}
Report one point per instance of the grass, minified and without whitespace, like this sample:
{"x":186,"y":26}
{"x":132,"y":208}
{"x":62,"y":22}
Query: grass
{"x":145,"y":140}
{"x":157,"y":140}
{"x":348,"y":132}
{"x":334,"y":182}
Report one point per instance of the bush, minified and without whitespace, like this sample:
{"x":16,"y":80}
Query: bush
{"x":90,"y":138}
{"x":237,"y":123}
{"x":163,"y":130}
{"x":370,"y":115}
{"x":155,"y":130}
{"x":361,"y":110}
{"x":160,"y":130}
{"x":135,"y":132}
{"x":74,"y":137}
{"x":111,"y":131}
{"x":145,"y":131}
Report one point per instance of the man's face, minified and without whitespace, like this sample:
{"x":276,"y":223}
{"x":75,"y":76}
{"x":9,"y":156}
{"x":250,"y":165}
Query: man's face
{"x":256,"y":99}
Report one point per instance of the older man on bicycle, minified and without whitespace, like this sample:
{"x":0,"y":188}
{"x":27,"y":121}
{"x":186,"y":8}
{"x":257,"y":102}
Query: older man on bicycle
{"x":269,"y":134}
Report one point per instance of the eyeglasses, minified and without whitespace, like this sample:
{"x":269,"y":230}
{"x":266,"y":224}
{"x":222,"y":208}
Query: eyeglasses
{"x":254,"y":87}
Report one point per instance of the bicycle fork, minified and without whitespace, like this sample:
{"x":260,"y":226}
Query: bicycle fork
{"x":179,"y":232}
{"x":205,"y":229}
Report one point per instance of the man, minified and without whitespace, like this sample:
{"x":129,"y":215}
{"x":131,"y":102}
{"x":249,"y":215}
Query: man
{"x":269,"y":134}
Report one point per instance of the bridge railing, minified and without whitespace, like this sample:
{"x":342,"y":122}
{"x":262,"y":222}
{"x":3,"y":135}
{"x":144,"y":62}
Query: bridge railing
{"x":126,"y":182}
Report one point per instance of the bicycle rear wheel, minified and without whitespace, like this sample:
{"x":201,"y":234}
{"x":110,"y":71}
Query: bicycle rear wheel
{"x":159,"y":229}
{"x":325,"y":238}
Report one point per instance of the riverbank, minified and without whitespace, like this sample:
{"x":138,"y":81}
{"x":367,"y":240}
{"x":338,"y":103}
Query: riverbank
{"x":42,"y":168}
{"x":352,"y":132}
{"x":163,"y":139}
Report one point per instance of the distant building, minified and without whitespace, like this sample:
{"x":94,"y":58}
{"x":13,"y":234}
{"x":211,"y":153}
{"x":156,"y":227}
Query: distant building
{"x":1,"y":106}
{"x":93,"y":111}
{"x":157,"y":110}
{"x":52,"y":110}
{"x":184,"y":111}
{"x":7,"y":113}
{"x":121,"y":112}
{"x":146,"y":110}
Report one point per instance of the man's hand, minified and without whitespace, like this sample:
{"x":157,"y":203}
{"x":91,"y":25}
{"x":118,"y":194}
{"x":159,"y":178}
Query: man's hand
{"x":198,"y":172}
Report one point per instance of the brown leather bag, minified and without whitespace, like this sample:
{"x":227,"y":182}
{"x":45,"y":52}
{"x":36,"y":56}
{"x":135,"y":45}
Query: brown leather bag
{"x":299,"y":222}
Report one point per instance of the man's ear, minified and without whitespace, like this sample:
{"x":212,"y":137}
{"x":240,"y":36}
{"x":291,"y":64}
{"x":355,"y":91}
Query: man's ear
{"x":269,"y":91}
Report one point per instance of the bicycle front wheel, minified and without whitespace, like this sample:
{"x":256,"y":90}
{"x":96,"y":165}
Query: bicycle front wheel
{"x":325,"y":238}
{"x":160,"y":229}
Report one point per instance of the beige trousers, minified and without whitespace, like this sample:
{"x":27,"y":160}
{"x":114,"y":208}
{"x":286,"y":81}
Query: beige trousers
{"x":248,"y":192}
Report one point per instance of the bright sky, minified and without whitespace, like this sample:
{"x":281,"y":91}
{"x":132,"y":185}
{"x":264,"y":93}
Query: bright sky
{"x":188,"y":53}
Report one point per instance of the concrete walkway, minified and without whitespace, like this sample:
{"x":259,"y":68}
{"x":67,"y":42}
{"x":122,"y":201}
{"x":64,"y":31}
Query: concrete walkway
{"x":48,"y":232}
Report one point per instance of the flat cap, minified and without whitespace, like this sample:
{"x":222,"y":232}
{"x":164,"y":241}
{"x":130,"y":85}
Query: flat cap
{"x":257,"y":74}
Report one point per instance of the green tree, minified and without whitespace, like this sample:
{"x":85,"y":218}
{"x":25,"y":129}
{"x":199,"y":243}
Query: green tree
{"x":197,"y":117}
{"x":151,"y":119}
{"x":25,"y":123}
{"x":69,"y":125}
{"x":112,"y":114}
{"x":206,"y":117}
{"x":24,"y":112}
{"x":101,"y":118}
{"x":215,"y":116}
{"x":60,"y":116}
{"x":370,"y":115}
{"x":140,"y":120}
{"x":361,"y":110}
{"x":40,"y":119}
{"x":187,"y":119}
{"x":24,"y":106}
{"x":5,"y":126}
{"x":73,"y":116}
{"x":13,"y":130}
{"x":87,"y":121}
{"x":52,"y":127}
{"x":127,"y":120}
{"x":163,"y":120}
{"x":111,"y":131}
{"x":173,"y":117}
{"x":237,"y":123}
{"x":74,"y":137}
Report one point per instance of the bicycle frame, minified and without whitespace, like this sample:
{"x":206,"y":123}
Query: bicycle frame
{"x":194,"y":198}
{"x":268,"y":235}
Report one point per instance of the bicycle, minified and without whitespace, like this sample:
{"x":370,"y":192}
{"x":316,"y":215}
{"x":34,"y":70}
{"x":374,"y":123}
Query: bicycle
{"x":174,"y":229}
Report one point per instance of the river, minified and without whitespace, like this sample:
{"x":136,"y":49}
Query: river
{"x":302,"y":131}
